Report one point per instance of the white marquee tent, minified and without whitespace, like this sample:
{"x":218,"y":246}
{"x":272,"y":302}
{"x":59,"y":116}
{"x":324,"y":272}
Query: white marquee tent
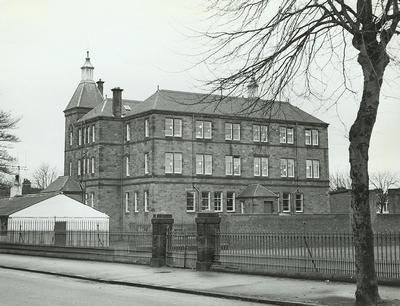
{"x":43,"y":215}
{"x":44,"y":218}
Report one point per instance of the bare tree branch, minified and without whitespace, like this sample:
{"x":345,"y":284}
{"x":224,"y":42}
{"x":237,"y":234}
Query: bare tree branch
{"x":382,"y":181}
{"x":44,"y":176}
{"x":281,"y":43}
{"x":7,"y":124}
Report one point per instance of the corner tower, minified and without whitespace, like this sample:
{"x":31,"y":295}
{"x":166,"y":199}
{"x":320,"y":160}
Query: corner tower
{"x":85,"y":98}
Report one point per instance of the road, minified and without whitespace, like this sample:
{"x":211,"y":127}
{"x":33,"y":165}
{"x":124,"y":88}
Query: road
{"x":26,"y":288}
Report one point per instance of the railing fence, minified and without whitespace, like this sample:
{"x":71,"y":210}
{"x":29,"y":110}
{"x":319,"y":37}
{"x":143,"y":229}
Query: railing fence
{"x":327,"y":254}
{"x":181,"y":248}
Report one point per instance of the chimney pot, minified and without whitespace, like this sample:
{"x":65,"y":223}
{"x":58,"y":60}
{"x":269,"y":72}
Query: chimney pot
{"x":117,"y":102}
{"x":100,"y":86}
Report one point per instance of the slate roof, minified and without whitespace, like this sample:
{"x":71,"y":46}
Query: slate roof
{"x":256,"y":191}
{"x":189,"y":102}
{"x":9,"y":206}
{"x":105,"y":109}
{"x":86,"y":95}
{"x":64,"y":184}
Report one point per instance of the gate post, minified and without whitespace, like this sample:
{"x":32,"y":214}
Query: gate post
{"x":160,"y":224}
{"x":207,"y":227}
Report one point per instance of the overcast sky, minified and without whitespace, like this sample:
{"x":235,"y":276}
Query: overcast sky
{"x":135,"y":45}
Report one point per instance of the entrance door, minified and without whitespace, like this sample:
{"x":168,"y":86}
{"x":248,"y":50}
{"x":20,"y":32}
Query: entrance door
{"x":60,"y":231}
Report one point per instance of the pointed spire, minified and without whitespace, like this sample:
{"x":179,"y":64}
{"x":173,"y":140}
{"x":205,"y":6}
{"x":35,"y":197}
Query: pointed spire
{"x":87,"y":69}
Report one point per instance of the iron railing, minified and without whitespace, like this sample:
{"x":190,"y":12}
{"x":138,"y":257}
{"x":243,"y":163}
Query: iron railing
{"x":181,"y":249}
{"x":327,"y":254}
{"x":91,"y":239}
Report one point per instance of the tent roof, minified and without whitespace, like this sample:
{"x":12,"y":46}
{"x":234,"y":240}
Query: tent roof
{"x":9,"y":206}
{"x":47,"y":205}
{"x":257,"y":191}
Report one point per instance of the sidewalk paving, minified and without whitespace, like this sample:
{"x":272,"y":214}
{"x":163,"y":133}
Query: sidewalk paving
{"x":281,"y":291}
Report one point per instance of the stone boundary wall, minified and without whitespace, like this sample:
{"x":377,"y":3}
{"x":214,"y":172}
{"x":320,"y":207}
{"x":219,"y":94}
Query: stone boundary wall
{"x":386,"y":223}
{"x":286,"y":223}
{"x":98,"y":254}
{"x":308,"y":223}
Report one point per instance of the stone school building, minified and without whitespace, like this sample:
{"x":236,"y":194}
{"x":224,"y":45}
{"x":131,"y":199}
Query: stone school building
{"x":182,"y":152}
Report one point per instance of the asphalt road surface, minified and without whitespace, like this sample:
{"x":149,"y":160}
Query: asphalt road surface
{"x":27,"y":288}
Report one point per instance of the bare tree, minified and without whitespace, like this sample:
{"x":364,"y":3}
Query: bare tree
{"x":382,"y":181}
{"x":280,"y":42}
{"x":339,"y":180}
{"x":7,"y":124}
{"x":44,"y":176}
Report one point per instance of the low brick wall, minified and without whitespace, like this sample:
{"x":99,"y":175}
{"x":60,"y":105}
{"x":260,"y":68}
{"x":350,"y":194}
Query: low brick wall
{"x":290,"y":223}
{"x":98,"y":254}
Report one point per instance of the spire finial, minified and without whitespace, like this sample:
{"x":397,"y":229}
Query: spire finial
{"x":87,"y":69}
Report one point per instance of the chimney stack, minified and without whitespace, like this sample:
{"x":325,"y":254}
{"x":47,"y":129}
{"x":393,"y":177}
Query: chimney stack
{"x":117,"y":102}
{"x":100,"y":86}
{"x":252,"y":88}
{"x":16,"y":188}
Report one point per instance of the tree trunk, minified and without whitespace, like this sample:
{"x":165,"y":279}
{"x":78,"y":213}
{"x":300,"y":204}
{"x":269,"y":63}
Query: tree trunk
{"x":360,"y":134}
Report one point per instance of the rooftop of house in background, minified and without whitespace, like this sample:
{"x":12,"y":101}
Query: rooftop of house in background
{"x":64,"y":184}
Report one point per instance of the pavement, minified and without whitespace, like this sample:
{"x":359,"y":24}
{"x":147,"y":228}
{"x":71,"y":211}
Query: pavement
{"x":252,"y":288}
